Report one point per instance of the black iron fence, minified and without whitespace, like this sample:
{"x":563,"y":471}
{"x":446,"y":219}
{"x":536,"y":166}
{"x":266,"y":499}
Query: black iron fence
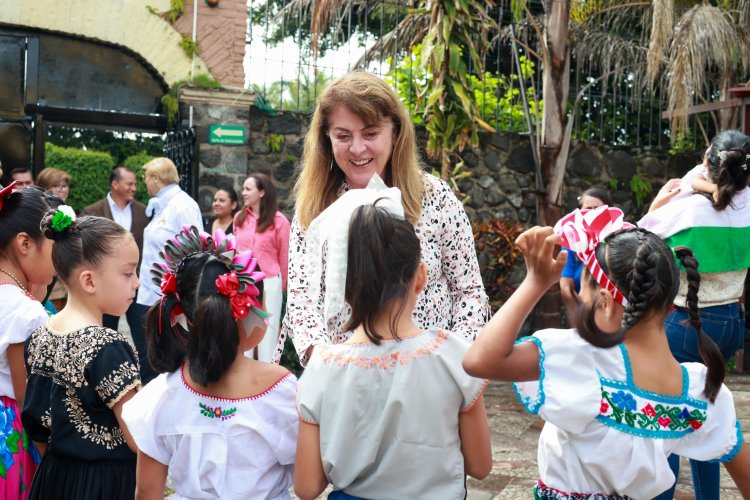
{"x":288,"y":75}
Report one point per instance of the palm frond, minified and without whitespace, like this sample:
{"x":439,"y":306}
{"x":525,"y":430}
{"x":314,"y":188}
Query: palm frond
{"x":412,"y":28}
{"x":607,"y":52}
{"x":705,"y":38}
{"x":661,"y":33}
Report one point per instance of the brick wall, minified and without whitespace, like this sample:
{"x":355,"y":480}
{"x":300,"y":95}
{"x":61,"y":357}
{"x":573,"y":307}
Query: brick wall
{"x":221,"y":32}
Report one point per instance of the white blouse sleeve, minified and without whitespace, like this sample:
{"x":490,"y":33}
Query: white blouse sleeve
{"x":310,"y":389}
{"x":451,"y":354}
{"x":568,"y":392}
{"x":470,"y":305}
{"x":27,"y":315}
{"x":303,"y":321}
{"x":719,"y":437}
{"x":140,"y":414}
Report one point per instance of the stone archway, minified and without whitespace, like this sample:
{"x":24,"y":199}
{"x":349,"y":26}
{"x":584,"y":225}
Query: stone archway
{"x":125,"y":23}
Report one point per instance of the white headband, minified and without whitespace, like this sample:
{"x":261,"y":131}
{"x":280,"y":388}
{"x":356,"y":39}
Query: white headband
{"x":329,"y":233}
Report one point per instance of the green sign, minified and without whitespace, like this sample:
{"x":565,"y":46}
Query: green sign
{"x":227,"y":134}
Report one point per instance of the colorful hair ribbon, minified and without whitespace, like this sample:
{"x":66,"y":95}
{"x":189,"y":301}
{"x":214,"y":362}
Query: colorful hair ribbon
{"x":5,"y":192}
{"x":583,"y":230}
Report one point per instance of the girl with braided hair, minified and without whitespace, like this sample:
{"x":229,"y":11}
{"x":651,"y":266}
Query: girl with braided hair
{"x":220,"y":425}
{"x":615,"y":401}
{"x":716,"y":226}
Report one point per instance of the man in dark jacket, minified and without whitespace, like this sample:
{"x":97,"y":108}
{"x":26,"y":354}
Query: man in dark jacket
{"x":120,"y":206}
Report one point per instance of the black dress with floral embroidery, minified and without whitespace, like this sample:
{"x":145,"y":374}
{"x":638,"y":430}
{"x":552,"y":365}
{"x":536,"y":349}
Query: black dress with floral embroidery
{"x":75,"y":379}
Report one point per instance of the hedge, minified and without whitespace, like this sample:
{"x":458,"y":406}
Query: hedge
{"x":135,"y":163}
{"x":90,"y":172}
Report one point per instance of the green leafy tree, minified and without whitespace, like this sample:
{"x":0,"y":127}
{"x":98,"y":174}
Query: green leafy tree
{"x":497,"y":96}
{"x":298,"y":94}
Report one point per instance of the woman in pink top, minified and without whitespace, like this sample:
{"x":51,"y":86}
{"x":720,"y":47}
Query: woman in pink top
{"x":260,"y":227}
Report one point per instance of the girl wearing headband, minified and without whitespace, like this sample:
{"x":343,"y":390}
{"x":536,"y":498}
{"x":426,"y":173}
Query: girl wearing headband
{"x":25,"y":263}
{"x":615,"y":401}
{"x":389,"y":413}
{"x":220,"y":425}
{"x":80,"y":373}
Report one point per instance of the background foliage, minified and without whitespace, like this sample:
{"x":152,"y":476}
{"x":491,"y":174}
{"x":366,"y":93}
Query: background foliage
{"x":90,"y":172}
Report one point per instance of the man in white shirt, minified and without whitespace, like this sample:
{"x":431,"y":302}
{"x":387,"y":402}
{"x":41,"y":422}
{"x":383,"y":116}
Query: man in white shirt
{"x":120,"y":206}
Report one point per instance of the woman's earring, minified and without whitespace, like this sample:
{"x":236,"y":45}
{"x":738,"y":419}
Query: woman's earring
{"x":330,"y":168}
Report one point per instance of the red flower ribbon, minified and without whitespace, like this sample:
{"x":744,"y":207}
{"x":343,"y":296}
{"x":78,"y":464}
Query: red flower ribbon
{"x":5,"y":192}
{"x":228,"y":284}
{"x":168,"y":284}
{"x":583,"y":230}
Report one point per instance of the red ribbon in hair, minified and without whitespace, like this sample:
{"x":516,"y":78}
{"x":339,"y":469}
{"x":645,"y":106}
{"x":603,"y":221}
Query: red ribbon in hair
{"x":5,"y":192}
{"x":583,"y":230}
{"x":228,"y":284}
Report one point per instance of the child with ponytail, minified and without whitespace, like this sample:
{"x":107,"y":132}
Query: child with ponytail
{"x":25,"y":264}
{"x":615,"y":401}
{"x":218,"y":424}
{"x":389,"y":413}
{"x":80,"y":373}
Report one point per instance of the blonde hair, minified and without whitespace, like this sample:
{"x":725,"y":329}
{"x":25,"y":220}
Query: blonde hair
{"x":164,"y":168}
{"x":372,"y":100}
{"x":51,"y":177}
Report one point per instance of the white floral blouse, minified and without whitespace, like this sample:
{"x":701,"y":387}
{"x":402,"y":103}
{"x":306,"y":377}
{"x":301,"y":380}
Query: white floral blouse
{"x":454,"y":298}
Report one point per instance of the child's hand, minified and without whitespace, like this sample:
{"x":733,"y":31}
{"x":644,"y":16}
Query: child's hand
{"x":665,"y":194}
{"x":537,"y":246}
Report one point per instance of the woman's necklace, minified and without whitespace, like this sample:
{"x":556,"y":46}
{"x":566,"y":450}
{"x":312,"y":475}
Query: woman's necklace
{"x":16,"y":280}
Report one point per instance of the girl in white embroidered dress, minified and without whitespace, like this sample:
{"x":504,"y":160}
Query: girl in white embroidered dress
{"x":25,"y":262}
{"x":219,"y":424}
{"x":614,"y":412}
{"x":404,"y":420}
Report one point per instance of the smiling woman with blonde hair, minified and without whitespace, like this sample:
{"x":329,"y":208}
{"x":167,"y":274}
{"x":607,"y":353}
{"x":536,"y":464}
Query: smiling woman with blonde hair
{"x":360,"y":128}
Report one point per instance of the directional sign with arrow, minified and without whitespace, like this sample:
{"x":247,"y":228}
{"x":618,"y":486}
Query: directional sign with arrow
{"x":227,"y":134}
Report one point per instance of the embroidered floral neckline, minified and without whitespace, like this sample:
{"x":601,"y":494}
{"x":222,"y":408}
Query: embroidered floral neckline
{"x":331,"y":354}
{"x":631,"y":409}
{"x":217,"y":398}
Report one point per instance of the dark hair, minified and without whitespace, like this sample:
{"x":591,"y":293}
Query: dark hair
{"x":19,"y":170}
{"x":597,"y":193}
{"x":87,"y":241}
{"x":383,"y":256}
{"x":22,"y":212}
{"x":268,"y":204}
{"x":117,"y":172}
{"x":232,"y":194}
{"x":643,"y":268}
{"x":210,"y":344}
{"x":731,"y":173}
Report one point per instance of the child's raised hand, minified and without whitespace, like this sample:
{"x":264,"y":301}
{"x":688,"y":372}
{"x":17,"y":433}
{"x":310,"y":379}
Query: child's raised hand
{"x":537,"y":246}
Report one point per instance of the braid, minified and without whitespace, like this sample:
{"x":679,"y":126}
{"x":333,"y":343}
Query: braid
{"x":709,"y":351}
{"x":643,"y":282}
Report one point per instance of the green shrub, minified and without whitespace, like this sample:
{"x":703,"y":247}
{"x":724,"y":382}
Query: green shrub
{"x":134,"y":163}
{"x":89,"y":171}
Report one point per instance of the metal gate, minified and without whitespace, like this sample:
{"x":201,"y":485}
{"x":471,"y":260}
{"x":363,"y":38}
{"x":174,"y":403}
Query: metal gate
{"x":179,"y":146}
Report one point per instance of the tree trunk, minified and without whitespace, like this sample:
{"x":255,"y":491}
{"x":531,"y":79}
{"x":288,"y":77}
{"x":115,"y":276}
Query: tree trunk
{"x":555,"y":139}
{"x":553,"y":155}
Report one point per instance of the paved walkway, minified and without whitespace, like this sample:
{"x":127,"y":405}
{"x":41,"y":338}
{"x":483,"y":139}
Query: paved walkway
{"x":514,"y":444}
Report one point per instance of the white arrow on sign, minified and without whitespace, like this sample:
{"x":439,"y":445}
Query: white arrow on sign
{"x":220,"y":132}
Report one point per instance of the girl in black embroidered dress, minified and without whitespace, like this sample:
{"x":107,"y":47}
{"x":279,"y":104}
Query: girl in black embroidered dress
{"x":80,"y":374}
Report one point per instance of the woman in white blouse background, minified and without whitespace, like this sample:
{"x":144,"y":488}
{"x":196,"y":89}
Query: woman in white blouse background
{"x":361,"y":128}
{"x":170,"y":208}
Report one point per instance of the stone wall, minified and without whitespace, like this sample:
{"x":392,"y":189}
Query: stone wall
{"x":502,"y":181}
